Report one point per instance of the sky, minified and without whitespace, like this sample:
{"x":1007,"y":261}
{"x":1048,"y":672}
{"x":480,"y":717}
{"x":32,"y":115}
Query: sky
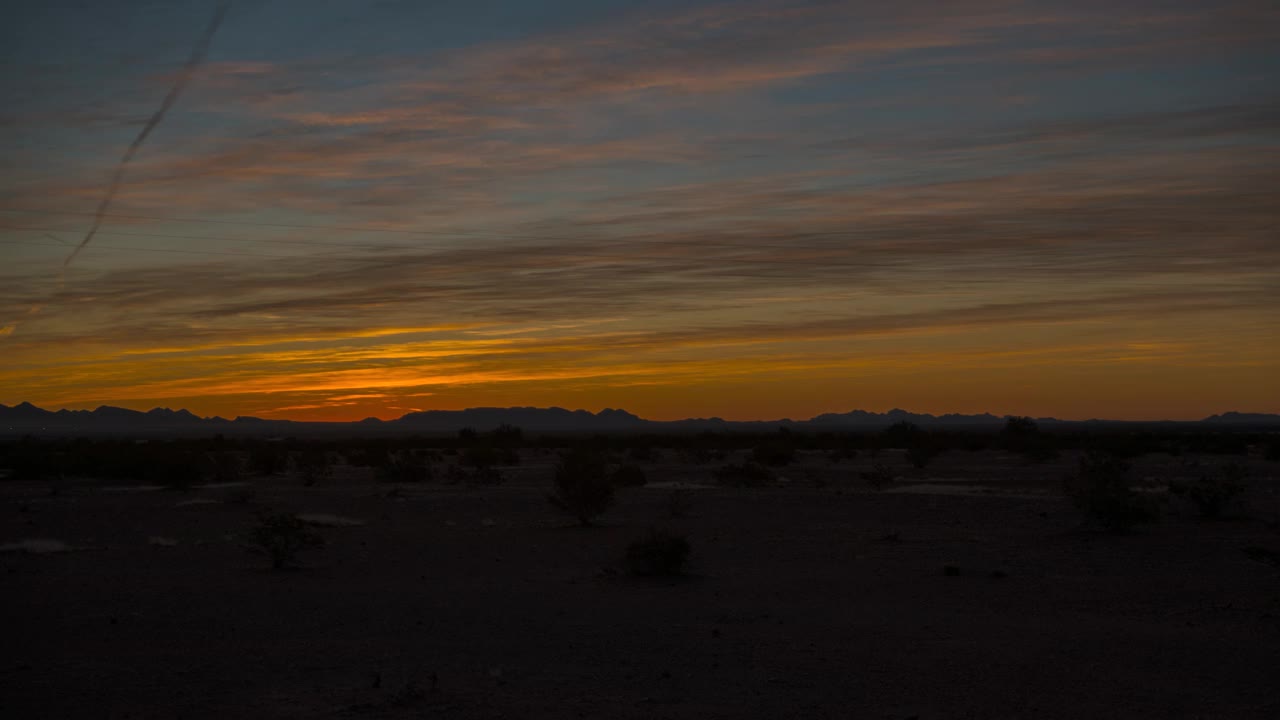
{"x":750,"y":210}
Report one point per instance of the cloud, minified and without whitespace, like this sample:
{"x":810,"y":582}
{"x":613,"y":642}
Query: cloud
{"x":711,"y":192}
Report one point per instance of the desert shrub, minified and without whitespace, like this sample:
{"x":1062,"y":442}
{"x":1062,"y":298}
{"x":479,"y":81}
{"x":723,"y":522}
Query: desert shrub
{"x":480,"y":456}
{"x":370,"y":456}
{"x":1102,"y":489}
{"x":225,"y":467}
{"x":1267,"y":556}
{"x":775,"y":453}
{"x":841,"y":454}
{"x":645,"y":454}
{"x":454,"y":474}
{"x":30,"y":459}
{"x":582,"y":485}
{"x":405,"y":466}
{"x":507,"y":435}
{"x":1211,"y":492}
{"x":878,"y":477}
{"x":629,"y":475}
{"x":177,"y":468}
{"x":901,"y":434}
{"x":748,"y":474}
{"x":659,"y":554}
{"x":268,"y":458}
{"x":281,"y":536}
{"x":1021,"y":435}
{"x":1016,"y":429}
{"x":1040,"y":450}
{"x":922,"y":453}
{"x":312,"y":466}
{"x":694,"y":455}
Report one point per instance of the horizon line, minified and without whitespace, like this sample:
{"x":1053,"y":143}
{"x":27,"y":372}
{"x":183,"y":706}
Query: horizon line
{"x":607,"y":409}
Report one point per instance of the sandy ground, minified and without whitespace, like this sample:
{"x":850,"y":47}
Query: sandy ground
{"x":457,"y":602}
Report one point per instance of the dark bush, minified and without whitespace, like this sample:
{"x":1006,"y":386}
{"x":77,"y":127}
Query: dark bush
{"x":645,"y":454}
{"x":312,"y":466}
{"x":1211,"y":492}
{"x":748,"y":474}
{"x":841,"y":454}
{"x":369,"y":456}
{"x":281,"y":536}
{"x":1016,"y":430}
{"x":486,"y":476}
{"x":268,"y":458}
{"x":775,"y":453}
{"x":629,"y":475}
{"x":507,"y":435}
{"x":176,"y":467}
{"x":878,"y":477}
{"x":582,"y":485}
{"x":922,"y":453}
{"x":480,"y":457}
{"x":1102,"y":489}
{"x":901,"y":435}
{"x":1021,"y":435}
{"x":405,"y":466}
{"x":225,"y":467}
{"x":659,"y":554}
{"x":454,"y":474}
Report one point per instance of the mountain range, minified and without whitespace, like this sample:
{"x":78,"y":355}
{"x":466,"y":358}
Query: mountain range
{"x":25,"y":418}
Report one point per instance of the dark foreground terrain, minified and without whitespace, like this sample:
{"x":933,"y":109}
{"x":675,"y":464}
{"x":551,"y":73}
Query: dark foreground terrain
{"x":972,"y":589}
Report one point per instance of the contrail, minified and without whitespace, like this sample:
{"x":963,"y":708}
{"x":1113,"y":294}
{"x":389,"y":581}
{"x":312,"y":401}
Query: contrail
{"x":193,"y":62}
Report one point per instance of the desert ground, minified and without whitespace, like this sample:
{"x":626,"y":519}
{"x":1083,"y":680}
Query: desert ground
{"x":968,"y":589}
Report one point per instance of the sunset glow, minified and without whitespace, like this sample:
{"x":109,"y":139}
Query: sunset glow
{"x":751,"y":210}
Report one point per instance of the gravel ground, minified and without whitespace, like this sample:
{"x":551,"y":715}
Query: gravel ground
{"x":816,"y":599}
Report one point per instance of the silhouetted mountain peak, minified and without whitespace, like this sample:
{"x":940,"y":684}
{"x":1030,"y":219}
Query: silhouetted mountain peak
{"x":116,"y":412}
{"x":1239,"y":417}
{"x":176,"y":415}
{"x":24,"y":410}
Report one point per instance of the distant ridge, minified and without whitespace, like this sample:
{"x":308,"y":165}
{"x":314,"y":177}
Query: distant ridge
{"x":26,"y":418}
{"x":1245,"y":418}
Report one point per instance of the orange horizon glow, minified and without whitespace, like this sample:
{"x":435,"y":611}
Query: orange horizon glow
{"x":753,"y":211}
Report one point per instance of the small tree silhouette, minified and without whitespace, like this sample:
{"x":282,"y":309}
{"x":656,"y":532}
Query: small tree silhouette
{"x":902,"y":434}
{"x":1023,"y":436}
{"x":583,"y":487}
